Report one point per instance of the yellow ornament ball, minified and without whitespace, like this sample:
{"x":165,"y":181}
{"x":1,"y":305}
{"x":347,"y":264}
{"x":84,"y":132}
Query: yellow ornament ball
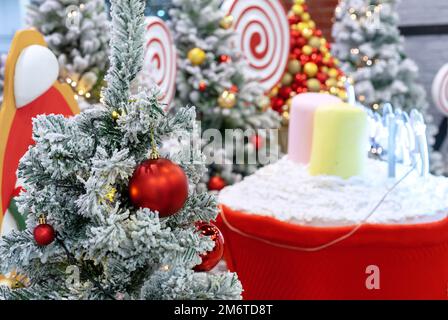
{"x":343,"y":95}
{"x":331,"y":83}
{"x":297,"y":9}
{"x":333,"y":73}
{"x":306,"y":16}
{"x":307,"y":50}
{"x":315,"y":42}
{"x":323,"y":49}
{"x":227,"y":100}
{"x":226,"y":22}
{"x":299,"y":1}
{"x":311,"y":24}
{"x":196,"y":56}
{"x":274,"y":92}
{"x":307,"y":33}
{"x":313,"y":85}
{"x":311,"y":69}
{"x":294,"y":66}
{"x":301,"y":26}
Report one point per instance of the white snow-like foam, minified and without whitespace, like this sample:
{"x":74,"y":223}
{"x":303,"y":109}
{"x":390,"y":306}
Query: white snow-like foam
{"x":286,"y":191}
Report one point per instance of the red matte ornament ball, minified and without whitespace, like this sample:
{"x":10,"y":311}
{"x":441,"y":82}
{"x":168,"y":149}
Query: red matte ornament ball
{"x":44,"y":234}
{"x":159,"y":185}
{"x":211,"y":258}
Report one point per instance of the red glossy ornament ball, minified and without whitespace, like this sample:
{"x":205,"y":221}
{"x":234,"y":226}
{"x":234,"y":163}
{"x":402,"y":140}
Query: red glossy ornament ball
{"x":285,"y":92}
{"x":43,"y":234}
{"x":224,"y":58}
{"x":202,"y":86}
{"x":216,"y":183}
{"x":159,"y":185}
{"x":211,"y":258}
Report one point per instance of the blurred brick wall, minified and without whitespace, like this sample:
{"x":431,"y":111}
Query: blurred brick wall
{"x":321,"y":11}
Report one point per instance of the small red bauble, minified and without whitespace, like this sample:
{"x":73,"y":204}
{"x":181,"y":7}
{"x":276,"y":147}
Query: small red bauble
{"x":234,"y":89}
{"x":302,"y":41}
{"x":159,"y":185}
{"x":211,"y":258}
{"x":285,"y":92}
{"x":257,"y":141}
{"x":318,"y":33}
{"x":43,"y":234}
{"x":216,"y":183}
{"x":300,"y":78}
{"x":202,"y":86}
{"x":224,"y":58}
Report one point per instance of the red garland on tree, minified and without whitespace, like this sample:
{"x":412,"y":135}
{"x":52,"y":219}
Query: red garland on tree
{"x":311,"y":67}
{"x":159,"y":185}
{"x":211,"y":258}
{"x":43,"y":233}
{"x":216,"y":183}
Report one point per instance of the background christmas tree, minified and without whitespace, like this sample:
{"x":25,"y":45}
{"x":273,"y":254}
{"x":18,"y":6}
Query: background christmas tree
{"x":213,"y":75}
{"x":311,"y":67}
{"x":370,"y":48}
{"x":77,"y":31}
{"x":85,"y":175}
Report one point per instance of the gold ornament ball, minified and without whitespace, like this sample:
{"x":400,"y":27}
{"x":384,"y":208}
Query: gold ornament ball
{"x":323,"y":49}
{"x":313,"y":85}
{"x":297,"y":9}
{"x":227,"y":99}
{"x":323,"y":41}
{"x":311,"y":24}
{"x":197,"y":56}
{"x":307,"y":50}
{"x":306,"y":16}
{"x":311,"y":69}
{"x":343,"y":95}
{"x":116,"y":115}
{"x":301,"y":26}
{"x":226,"y":22}
{"x":334,"y":90}
{"x":274,"y":92}
{"x":331,"y":83}
{"x":287,"y":79}
{"x":307,"y":33}
{"x":294,"y":66}
{"x":315,"y":42}
{"x":333,"y":73}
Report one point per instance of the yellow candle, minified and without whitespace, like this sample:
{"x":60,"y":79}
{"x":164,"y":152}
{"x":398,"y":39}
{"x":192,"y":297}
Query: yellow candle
{"x":339,"y":141}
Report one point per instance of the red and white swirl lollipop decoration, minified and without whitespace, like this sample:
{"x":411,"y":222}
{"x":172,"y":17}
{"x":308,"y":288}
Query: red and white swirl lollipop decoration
{"x":262,"y":36}
{"x":440,"y":90}
{"x":160,"y":58}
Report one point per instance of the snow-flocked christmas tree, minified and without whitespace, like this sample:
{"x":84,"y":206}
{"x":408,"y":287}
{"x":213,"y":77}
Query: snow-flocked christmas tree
{"x":212,"y":74}
{"x":78,"y":178}
{"x":77,"y":31}
{"x":371,"y":50}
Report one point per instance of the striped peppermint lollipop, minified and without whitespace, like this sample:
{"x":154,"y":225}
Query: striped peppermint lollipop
{"x":262,"y":36}
{"x":160,"y":58}
{"x":440,"y":90}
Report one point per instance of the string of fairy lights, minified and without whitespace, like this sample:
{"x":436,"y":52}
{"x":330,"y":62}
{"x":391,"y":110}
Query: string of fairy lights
{"x":370,"y":13}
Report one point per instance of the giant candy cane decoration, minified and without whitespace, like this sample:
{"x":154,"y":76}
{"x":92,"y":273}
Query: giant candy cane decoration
{"x":262,"y":36}
{"x":160,"y":58}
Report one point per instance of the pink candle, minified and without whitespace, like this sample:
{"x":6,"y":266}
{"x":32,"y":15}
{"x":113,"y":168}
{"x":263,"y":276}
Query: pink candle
{"x":301,"y":123}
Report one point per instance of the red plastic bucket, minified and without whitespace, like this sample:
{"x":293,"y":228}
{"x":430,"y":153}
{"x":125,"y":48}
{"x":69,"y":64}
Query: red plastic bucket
{"x":411,"y":260}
